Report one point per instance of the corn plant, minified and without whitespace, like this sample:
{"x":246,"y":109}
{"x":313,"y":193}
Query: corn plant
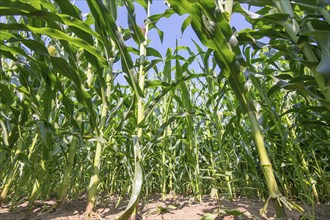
{"x":89,"y":108}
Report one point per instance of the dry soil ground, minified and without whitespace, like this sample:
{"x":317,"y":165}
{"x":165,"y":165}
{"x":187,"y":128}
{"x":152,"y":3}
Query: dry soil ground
{"x":153,"y":208}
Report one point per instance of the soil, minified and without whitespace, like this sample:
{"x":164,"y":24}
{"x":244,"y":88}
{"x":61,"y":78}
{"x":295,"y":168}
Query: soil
{"x":153,"y":208}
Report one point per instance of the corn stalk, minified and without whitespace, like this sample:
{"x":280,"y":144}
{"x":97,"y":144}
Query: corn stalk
{"x":216,"y":33}
{"x":132,"y":207}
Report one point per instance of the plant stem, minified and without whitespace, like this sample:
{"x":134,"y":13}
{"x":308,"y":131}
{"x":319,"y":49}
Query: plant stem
{"x":92,"y":189}
{"x":67,"y":171}
{"x":265,"y":163}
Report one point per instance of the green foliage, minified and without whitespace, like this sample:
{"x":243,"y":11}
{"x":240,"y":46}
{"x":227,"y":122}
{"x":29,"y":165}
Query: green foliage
{"x":65,"y":117}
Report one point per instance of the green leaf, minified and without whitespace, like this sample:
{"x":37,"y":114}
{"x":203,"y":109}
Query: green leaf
{"x":169,"y":121}
{"x":6,"y":95}
{"x":257,"y":2}
{"x":11,"y":7}
{"x":259,"y":20}
{"x":36,"y":46}
{"x":167,"y":66}
{"x":233,"y":212}
{"x":166,"y":14}
{"x":51,"y":32}
{"x":69,"y":105}
{"x":160,"y":33}
{"x":323,"y":40}
{"x":185,"y":24}
{"x":155,"y":83}
{"x":23,"y":157}
{"x":143,"y":3}
{"x":43,"y":131}
{"x":137,"y":181}
{"x":153,"y":52}
{"x":107,"y":23}
{"x":214,"y":33}
{"x":112,"y":7}
{"x":49,"y":96}
{"x":209,"y":216}
{"x":71,"y":18}
{"x":64,"y":68}
{"x":137,"y":34}
{"x":167,"y":89}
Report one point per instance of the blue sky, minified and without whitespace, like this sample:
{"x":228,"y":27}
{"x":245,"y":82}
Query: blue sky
{"x":170,"y":26}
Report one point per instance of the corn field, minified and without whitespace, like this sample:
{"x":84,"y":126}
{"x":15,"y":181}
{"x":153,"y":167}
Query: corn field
{"x":84,"y":112}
